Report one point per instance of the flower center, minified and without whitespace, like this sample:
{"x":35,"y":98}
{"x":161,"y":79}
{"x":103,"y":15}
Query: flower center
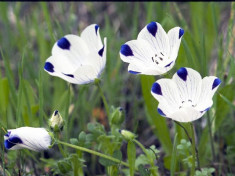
{"x":158,"y":58}
{"x":185,"y":104}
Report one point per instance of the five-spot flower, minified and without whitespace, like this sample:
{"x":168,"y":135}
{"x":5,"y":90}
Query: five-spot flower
{"x":36,"y":139}
{"x":154,"y":52}
{"x":185,"y":97}
{"x":78,"y":60}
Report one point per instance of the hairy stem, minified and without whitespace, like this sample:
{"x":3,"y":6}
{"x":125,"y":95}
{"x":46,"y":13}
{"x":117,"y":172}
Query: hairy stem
{"x":191,"y":141}
{"x":211,"y":137}
{"x":193,"y":150}
{"x":94,"y":153}
{"x":59,"y":146}
{"x":146,"y":153}
{"x":97,"y":83}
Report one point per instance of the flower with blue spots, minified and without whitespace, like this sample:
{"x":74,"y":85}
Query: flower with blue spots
{"x":78,"y":59}
{"x":154,"y":52}
{"x":36,"y":139}
{"x":186,"y":97}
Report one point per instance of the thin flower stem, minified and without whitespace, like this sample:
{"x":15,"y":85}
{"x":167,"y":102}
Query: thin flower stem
{"x":146,"y":153}
{"x":94,"y":153}
{"x":193,"y":150}
{"x":186,"y":132}
{"x":191,"y":141}
{"x":211,"y":137}
{"x":197,"y":156}
{"x":97,"y":83}
{"x":59,"y":146}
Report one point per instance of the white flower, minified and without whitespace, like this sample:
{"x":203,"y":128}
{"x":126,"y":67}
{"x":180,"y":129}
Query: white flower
{"x":36,"y":139}
{"x":154,"y":52}
{"x":185,"y":97}
{"x":78,"y":60}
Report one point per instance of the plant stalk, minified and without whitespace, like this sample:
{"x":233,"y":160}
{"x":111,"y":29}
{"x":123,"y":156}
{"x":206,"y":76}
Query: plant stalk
{"x":191,"y":141}
{"x":211,"y":137}
{"x":146,"y":153}
{"x":193,"y":150}
{"x":94,"y":153}
{"x":97,"y":83}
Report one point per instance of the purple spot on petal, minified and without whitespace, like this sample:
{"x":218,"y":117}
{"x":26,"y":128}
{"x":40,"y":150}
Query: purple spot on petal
{"x":181,"y":32}
{"x":182,"y":73}
{"x":156,"y":88}
{"x":126,"y":50}
{"x":216,"y":82}
{"x":70,"y":75}
{"x":205,"y":110}
{"x":56,"y":112}
{"x":49,"y":67}
{"x":152,"y":28}
{"x":169,"y":64}
{"x":161,"y":112}
{"x":134,"y":72}
{"x":8,"y":134}
{"x":96,"y":28}
{"x":63,"y":43}
{"x":101,"y":51}
{"x":9,"y":143}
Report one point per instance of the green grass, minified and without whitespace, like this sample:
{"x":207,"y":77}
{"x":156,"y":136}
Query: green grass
{"x":29,"y":96}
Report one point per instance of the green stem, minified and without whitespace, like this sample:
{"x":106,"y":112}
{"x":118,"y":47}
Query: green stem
{"x":67,"y":112}
{"x":60,"y":147}
{"x":93,"y":152}
{"x":146,"y":153}
{"x":97,"y":83}
{"x":141,"y":146}
{"x":211,"y":137}
{"x":193,"y":150}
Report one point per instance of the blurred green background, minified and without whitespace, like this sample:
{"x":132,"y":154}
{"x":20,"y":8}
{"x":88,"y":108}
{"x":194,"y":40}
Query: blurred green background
{"x":28,"y":95}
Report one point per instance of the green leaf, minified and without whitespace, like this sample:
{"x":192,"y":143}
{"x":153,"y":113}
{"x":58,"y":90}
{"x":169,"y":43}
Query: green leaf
{"x":143,"y":171}
{"x":161,"y":129}
{"x":74,"y":141}
{"x":131,"y":154}
{"x":222,"y":107}
{"x":4,"y":95}
{"x":105,"y":162}
{"x":64,"y":166}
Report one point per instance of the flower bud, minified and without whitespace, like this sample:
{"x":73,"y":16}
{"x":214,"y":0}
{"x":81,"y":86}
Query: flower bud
{"x":127,"y":135}
{"x":117,"y":116}
{"x":56,"y":122}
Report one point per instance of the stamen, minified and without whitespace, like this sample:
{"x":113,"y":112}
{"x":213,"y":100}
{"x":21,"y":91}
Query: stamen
{"x":182,"y":102}
{"x":155,"y":55}
{"x":152,"y":59}
{"x":160,"y":58}
{"x":190,"y":101}
{"x":156,"y":62}
{"x":162,"y":54}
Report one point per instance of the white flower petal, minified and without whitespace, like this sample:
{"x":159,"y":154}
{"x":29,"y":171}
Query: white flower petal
{"x":187,"y":114}
{"x":209,"y":86}
{"x":189,"y":85}
{"x":165,"y":91}
{"x":36,"y":139}
{"x":143,"y":59}
{"x":152,"y":53}
{"x":72,"y":54}
{"x":156,"y":37}
{"x":92,"y":38}
{"x":185,"y":97}
{"x":175,"y":36}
